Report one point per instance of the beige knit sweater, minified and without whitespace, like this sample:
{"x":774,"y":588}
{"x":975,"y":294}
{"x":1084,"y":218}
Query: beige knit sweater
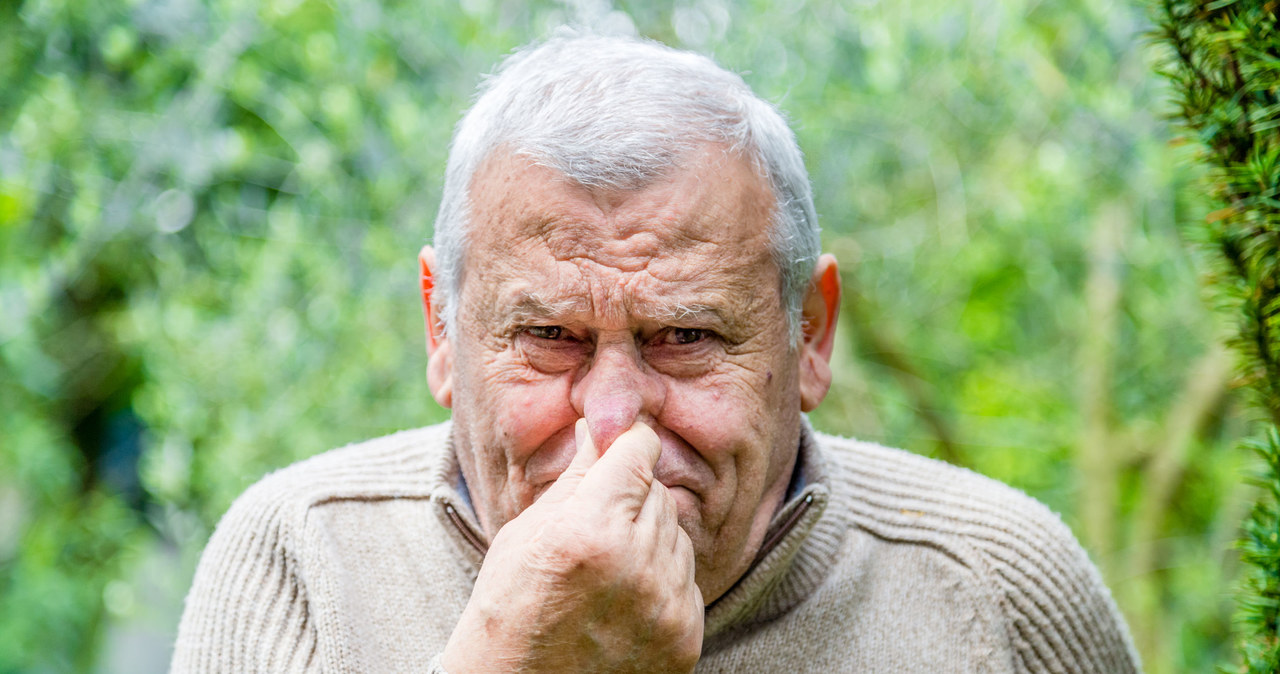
{"x":361,"y":560}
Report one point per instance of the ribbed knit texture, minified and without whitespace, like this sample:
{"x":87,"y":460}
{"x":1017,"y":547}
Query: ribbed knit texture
{"x":362,"y":559}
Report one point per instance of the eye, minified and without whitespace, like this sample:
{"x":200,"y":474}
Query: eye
{"x":686,"y":335}
{"x":550,"y":349}
{"x":685,"y":352}
{"x":545,"y":331}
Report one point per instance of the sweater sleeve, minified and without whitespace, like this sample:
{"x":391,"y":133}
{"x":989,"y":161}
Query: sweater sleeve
{"x":1059,"y":615}
{"x":247,"y":610}
{"x":1036,"y":584}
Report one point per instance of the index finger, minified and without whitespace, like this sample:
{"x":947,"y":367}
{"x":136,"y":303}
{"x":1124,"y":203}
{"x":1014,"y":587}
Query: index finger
{"x":584,"y":457}
{"x":623,"y":475}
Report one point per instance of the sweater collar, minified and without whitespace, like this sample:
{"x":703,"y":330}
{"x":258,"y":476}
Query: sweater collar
{"x":799,"y":547}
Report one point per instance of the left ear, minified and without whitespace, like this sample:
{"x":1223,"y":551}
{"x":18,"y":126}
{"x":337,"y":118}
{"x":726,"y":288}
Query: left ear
{"x":439,"y":350}
{"x":819,"y":312}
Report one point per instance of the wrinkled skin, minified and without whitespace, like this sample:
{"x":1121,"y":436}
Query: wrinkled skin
{"x":655,"y":316}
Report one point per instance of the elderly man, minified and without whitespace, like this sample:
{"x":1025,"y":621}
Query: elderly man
{"x":628,"y":314}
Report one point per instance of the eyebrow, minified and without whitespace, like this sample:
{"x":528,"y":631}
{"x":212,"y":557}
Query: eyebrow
{"x":680,"y":312}
{"x":530,"y":306}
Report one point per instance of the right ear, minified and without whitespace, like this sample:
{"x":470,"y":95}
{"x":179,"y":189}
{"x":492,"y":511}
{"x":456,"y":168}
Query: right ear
{"x":439,"y":351}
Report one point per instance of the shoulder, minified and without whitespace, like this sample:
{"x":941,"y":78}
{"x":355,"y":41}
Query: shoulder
{"x":900,"y":494}
{"x":403,"y":463}
{"x":1057,"y":613}
{"x":407,"y":464}
{"x":248,"y":604}
{"x":385,"y":467}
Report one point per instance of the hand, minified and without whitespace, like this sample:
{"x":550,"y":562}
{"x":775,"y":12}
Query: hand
{"x":595,"y":576}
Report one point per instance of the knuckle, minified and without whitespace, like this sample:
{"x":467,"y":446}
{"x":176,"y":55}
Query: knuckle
{"x":589,"y":553}
{"x":684,"y":544}
{"x":681,"y":626}
{"x":641,"y":474}
{"x":572,"y":545}
{"x":669,"y":504}
{"x":688,"y":653}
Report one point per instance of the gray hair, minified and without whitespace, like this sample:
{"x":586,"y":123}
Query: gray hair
{"x":614,"y":112}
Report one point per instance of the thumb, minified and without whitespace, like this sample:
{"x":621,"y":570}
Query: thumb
{"x":583,"y":459}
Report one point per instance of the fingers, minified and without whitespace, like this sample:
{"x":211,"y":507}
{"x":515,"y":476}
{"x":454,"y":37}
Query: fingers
{"x":583,"y":459}
{"x":659,"y":514}
{"x":688,"y":567}
{"x":586,"y":455}
{"x":622,"y":477}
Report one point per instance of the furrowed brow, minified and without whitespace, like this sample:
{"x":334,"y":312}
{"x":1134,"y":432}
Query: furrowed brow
{"x":705,"y":314}
{"x":530,"y":307}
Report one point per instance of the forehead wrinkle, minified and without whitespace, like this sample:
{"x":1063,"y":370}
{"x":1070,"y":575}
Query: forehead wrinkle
{"x":668,"y":251}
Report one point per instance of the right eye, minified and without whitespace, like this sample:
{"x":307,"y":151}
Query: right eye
{"x":550,"y":332}
{"x":550,"y":349}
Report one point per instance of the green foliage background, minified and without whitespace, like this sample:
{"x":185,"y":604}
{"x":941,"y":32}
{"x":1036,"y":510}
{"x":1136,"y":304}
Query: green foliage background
{"x":209,"y":214}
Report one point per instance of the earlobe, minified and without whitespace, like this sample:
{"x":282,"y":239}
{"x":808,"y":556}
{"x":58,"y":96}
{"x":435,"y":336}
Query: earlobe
{"x":439,"y":351}
{"x":440,"y":374}
{"x":820,"y":311}
{"x":815,"y":382}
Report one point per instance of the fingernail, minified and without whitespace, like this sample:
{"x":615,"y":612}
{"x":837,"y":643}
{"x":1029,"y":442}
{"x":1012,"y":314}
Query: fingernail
{"x":580,"y":432}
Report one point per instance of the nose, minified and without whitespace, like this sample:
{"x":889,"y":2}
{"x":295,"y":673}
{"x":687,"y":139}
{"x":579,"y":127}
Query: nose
{"x":616,"y":391}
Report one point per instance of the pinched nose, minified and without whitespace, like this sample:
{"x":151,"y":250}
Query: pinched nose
{"x":615,"y":393}
{"x":610,"y":413}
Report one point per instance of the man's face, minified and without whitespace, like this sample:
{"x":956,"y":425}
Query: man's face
{"x":659,"y":305}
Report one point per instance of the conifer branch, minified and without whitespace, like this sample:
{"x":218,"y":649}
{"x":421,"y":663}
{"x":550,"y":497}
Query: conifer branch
{"x":1225,"y":71}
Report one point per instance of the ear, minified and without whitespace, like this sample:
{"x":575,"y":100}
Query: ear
{"x":819,"y":312}
{"x":439,"y":351}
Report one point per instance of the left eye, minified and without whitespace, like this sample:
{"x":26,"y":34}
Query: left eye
{"x":686,"y":335}
{"x":550,"y":332}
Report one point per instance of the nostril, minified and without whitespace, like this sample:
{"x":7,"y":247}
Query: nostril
{"x":611,"y":415}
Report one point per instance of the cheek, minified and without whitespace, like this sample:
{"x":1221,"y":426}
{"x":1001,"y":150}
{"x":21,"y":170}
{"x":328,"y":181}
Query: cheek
{"x":721,"y":419}
{"x":738,"y":418}
{"x":529,"y":414}
{"x":524,"y":408}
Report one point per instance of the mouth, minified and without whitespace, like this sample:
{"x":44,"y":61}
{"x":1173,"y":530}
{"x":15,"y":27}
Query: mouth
{"x":683,"y":495}
{"x":674,"y":482}
{"x":680,"y":468}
